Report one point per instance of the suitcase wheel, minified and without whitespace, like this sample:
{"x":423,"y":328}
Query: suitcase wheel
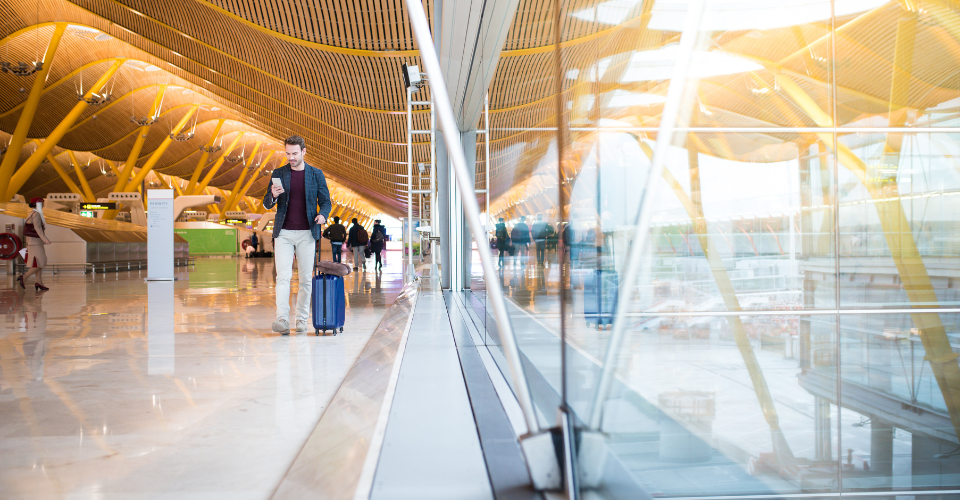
{"x":318,"y":332}
{"x":341,"y":329}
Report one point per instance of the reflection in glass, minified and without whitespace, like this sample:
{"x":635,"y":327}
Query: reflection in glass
{"x":798,"y":200}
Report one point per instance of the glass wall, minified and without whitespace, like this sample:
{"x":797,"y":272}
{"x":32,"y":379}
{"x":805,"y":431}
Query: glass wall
{"x":793,"y":324}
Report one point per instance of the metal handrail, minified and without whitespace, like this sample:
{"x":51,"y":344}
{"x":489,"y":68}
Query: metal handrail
{"x":466,"y":185}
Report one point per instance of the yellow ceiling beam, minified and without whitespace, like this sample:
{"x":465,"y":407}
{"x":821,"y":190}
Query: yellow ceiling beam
{"x":216,"y":166}
{"x":26,"y":170}
{"x":203,"y":157}
{"x":157,"y":153}
{"x":9,"y":163}
{"x":83,"y":179}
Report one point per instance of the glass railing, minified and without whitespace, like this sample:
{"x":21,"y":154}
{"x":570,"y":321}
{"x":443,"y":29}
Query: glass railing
{"x":793,"y":328}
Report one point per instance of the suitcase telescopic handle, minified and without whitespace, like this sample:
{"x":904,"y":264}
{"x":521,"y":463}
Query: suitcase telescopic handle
{"x":316,"y":259}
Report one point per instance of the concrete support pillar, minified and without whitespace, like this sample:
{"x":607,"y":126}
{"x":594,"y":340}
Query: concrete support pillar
{"x":448,"y":204}
{"x":881,"y":446}
{"x":469,"y":141}
{"x":823,"y":442}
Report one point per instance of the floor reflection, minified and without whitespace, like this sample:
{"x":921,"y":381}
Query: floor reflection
{"x":113,"y":386}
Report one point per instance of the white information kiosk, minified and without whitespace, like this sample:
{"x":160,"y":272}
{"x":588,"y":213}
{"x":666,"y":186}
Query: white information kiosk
{"x":160,"y":235}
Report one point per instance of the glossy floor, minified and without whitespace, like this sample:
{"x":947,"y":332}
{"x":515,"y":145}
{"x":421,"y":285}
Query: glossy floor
{"x":112,"y":387}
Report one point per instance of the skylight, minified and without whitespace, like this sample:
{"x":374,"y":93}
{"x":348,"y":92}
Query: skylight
{"x":736,"y":15}
{"x":611,"y":12}
{"x":624,"y":99}
{"x":658,"y":65}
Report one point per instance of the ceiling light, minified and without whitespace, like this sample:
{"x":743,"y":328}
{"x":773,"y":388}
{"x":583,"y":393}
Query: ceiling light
{"x":187,"y":91}
{"x":21,"y":68}
{"x":151,"y":68}
{"x":85,"y":29}
{"x":214,"y":109}
{"x":102,"y":37}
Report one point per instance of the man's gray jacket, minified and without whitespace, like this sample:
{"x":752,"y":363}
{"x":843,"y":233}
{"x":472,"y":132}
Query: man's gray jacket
{"x":315,"y":186}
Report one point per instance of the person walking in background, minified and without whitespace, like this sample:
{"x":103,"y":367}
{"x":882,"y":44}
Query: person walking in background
{"x":255,"y":242}
{"x":521,"y":238}
{"x":569,"y":237}
{"x":377,"y":241}
{"x":540,"y":232}
{"x":357,"y":241}
{"x":297,"y":190}
{"x":33,"y":231}
{"x":337,"y":234}
{"x":503,"y":240}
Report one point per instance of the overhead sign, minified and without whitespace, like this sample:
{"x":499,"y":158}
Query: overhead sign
{"x":98,"y":206}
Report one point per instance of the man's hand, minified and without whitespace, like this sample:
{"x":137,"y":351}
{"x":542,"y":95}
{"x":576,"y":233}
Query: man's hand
{"x":276,"y":190}
{"x":320,"y":219}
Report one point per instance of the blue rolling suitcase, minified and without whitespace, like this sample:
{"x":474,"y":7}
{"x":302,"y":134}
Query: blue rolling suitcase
{"x":600,"y":294}
{"x":328,"y":301}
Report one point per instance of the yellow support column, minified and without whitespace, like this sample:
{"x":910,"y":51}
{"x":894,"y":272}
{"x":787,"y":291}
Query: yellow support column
{"x":155,"y":157}
{"x":906,"y":257}
{"x":203,"y":157}
{"x":243,"y":174}
{"x":249,"y":184}
{"x":19,"y":138}
{"x":64,"y":175}
{"x":89,"y":197}
{"x":26,"y":170}
{"x":138,"y":145}
{"x":216,"y":166}
{"x":113,"y":167}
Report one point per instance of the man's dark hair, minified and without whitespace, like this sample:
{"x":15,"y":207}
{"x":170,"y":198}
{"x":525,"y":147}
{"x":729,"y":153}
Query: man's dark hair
{"x":336,"y":219}
{"x":354,"y":220}
{"x":295,"y":140}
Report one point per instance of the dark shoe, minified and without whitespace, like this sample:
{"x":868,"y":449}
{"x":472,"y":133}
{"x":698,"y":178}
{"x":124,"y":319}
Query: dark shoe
{"x":20,"y":279}
{"x":40,"y":287}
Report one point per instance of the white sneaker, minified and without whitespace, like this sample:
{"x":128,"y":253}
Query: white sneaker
{"x":281,"y":326}
{"x":302,"y":325}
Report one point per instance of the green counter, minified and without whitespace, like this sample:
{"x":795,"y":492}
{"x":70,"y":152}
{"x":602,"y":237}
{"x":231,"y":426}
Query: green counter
{"x":218,"y":241}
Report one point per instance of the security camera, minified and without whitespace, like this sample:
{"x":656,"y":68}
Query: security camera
{"x":422,"y":167}
{"x":411,"y":76}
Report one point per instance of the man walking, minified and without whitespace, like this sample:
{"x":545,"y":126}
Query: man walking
{"x":540,"y":233}
{"x":297,"y":189}
{"x":521,"y":238}
{"x":337,"y":234}
{"x":357,"y":240}
{"x":377,"y":241}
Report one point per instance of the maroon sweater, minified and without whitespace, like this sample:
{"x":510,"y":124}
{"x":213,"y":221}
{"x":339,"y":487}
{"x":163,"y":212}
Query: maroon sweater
{"x":296,"y":218}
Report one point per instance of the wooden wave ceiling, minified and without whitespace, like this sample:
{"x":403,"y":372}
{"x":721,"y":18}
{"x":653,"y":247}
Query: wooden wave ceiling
{"x":329,"y":70}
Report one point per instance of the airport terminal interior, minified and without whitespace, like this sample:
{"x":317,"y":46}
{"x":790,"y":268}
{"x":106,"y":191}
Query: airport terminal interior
{"x":633,"y":249}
